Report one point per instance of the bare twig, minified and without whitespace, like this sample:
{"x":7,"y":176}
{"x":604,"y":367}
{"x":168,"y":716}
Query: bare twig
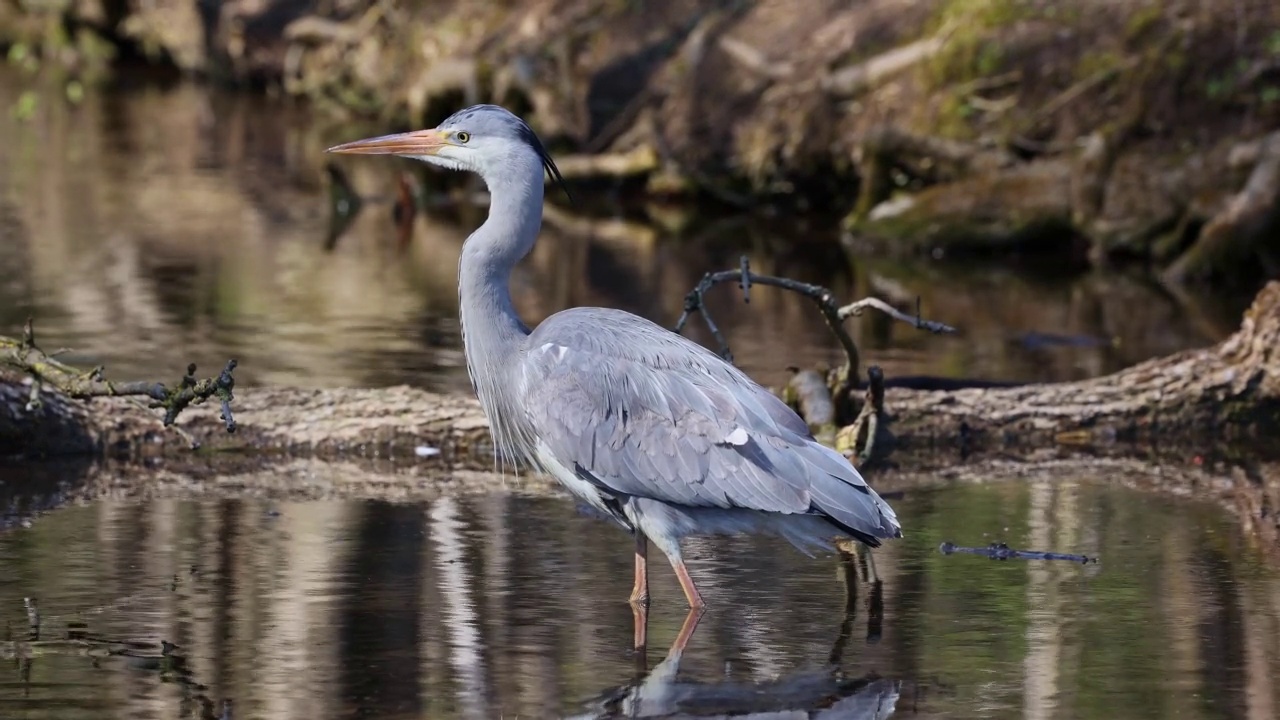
{"x":25,"y":355}
{"x":834,"y":314}
{"x":855,"y":309}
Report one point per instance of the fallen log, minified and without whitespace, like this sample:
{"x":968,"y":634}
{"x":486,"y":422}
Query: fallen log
{"x":1194,"y":401}
{"x":272,"y":423}
{"x":1197,"y":401}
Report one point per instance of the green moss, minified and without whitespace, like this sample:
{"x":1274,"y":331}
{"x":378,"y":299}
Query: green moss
{"x":1094,"y":63}
{"x":971,"y":50}
{"x":24,"y":108}
{"x":954,"y":114}
{"x":974,"y":49}
{"x":1142,"y":20}
{"x":1273,"y":43}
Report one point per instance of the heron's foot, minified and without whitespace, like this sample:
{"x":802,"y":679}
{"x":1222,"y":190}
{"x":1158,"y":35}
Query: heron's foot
{"x":639,"y":596}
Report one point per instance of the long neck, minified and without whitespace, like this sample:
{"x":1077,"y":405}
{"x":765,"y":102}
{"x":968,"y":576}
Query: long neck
{"x":492,"y":333}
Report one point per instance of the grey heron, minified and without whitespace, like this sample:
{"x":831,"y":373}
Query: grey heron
{"x":646,"y":426}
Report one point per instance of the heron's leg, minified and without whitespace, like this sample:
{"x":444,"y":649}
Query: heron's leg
{"x":640,"y":591}
{"x":848,"y":572}
{"x":686,"y":583}
{"x":872,"y":575}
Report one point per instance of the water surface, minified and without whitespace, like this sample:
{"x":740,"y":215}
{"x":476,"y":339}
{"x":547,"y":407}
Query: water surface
{"x":510,"y":605}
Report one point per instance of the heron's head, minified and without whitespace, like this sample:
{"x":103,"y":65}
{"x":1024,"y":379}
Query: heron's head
{"x":485,"y":139}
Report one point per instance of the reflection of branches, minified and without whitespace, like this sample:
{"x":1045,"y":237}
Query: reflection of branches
{"x":142,"y":655}
{"x":344,"y":205}
{"x":44,"y":370}
{"x":833,"y":313}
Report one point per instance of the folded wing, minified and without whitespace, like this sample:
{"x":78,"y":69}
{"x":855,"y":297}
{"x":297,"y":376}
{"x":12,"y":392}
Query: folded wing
{"x":640,"y":411}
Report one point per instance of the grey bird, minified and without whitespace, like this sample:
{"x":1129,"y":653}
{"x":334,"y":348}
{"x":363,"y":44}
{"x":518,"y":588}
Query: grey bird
{"x":644,"y":425}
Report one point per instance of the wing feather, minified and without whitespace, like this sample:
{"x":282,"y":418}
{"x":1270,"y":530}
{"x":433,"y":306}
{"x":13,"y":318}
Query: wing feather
{"x":641,"y":411}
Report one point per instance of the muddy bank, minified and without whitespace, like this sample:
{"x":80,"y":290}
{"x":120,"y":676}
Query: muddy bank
{"x":938,"y":126}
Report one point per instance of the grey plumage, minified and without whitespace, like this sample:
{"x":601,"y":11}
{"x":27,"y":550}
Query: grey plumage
{"x":639,"y":412}
{"x":643,"y":424}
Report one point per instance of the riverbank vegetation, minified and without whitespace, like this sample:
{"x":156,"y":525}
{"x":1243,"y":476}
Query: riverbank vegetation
{"x":1132,"y":131}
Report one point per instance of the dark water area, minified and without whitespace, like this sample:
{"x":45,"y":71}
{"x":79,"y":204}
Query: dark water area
{"x":508,"y":605}
{"x":148,"y":226}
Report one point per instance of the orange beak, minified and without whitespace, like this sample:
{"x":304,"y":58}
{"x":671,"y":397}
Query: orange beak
{"x":418,"y":142}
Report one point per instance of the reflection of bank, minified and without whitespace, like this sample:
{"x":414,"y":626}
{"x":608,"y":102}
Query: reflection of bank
{"x":825,"y":692}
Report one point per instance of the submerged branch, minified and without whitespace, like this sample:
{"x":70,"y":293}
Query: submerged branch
{"x":1001,"y":551}
{"x":44,"y":370}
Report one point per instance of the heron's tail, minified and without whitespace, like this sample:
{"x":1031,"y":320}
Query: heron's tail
{"x":840,"y":493}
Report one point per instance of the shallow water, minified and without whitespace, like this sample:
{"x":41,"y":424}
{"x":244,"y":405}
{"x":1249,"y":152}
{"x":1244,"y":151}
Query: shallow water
{"x":514,"y":606}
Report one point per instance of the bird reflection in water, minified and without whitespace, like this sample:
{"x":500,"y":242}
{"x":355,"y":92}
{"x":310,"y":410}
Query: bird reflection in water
{"x":822,"y":692}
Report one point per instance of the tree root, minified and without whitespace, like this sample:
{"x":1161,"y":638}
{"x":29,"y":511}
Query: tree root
{"x":853,"y":79}
{"x":1248,"y":219}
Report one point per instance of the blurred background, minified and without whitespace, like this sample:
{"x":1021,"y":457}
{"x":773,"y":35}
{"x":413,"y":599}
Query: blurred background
{"x":1076,"y":186}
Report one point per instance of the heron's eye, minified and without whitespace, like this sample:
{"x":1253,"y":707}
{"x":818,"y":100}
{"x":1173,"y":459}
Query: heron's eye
{"x":463,"y":136}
